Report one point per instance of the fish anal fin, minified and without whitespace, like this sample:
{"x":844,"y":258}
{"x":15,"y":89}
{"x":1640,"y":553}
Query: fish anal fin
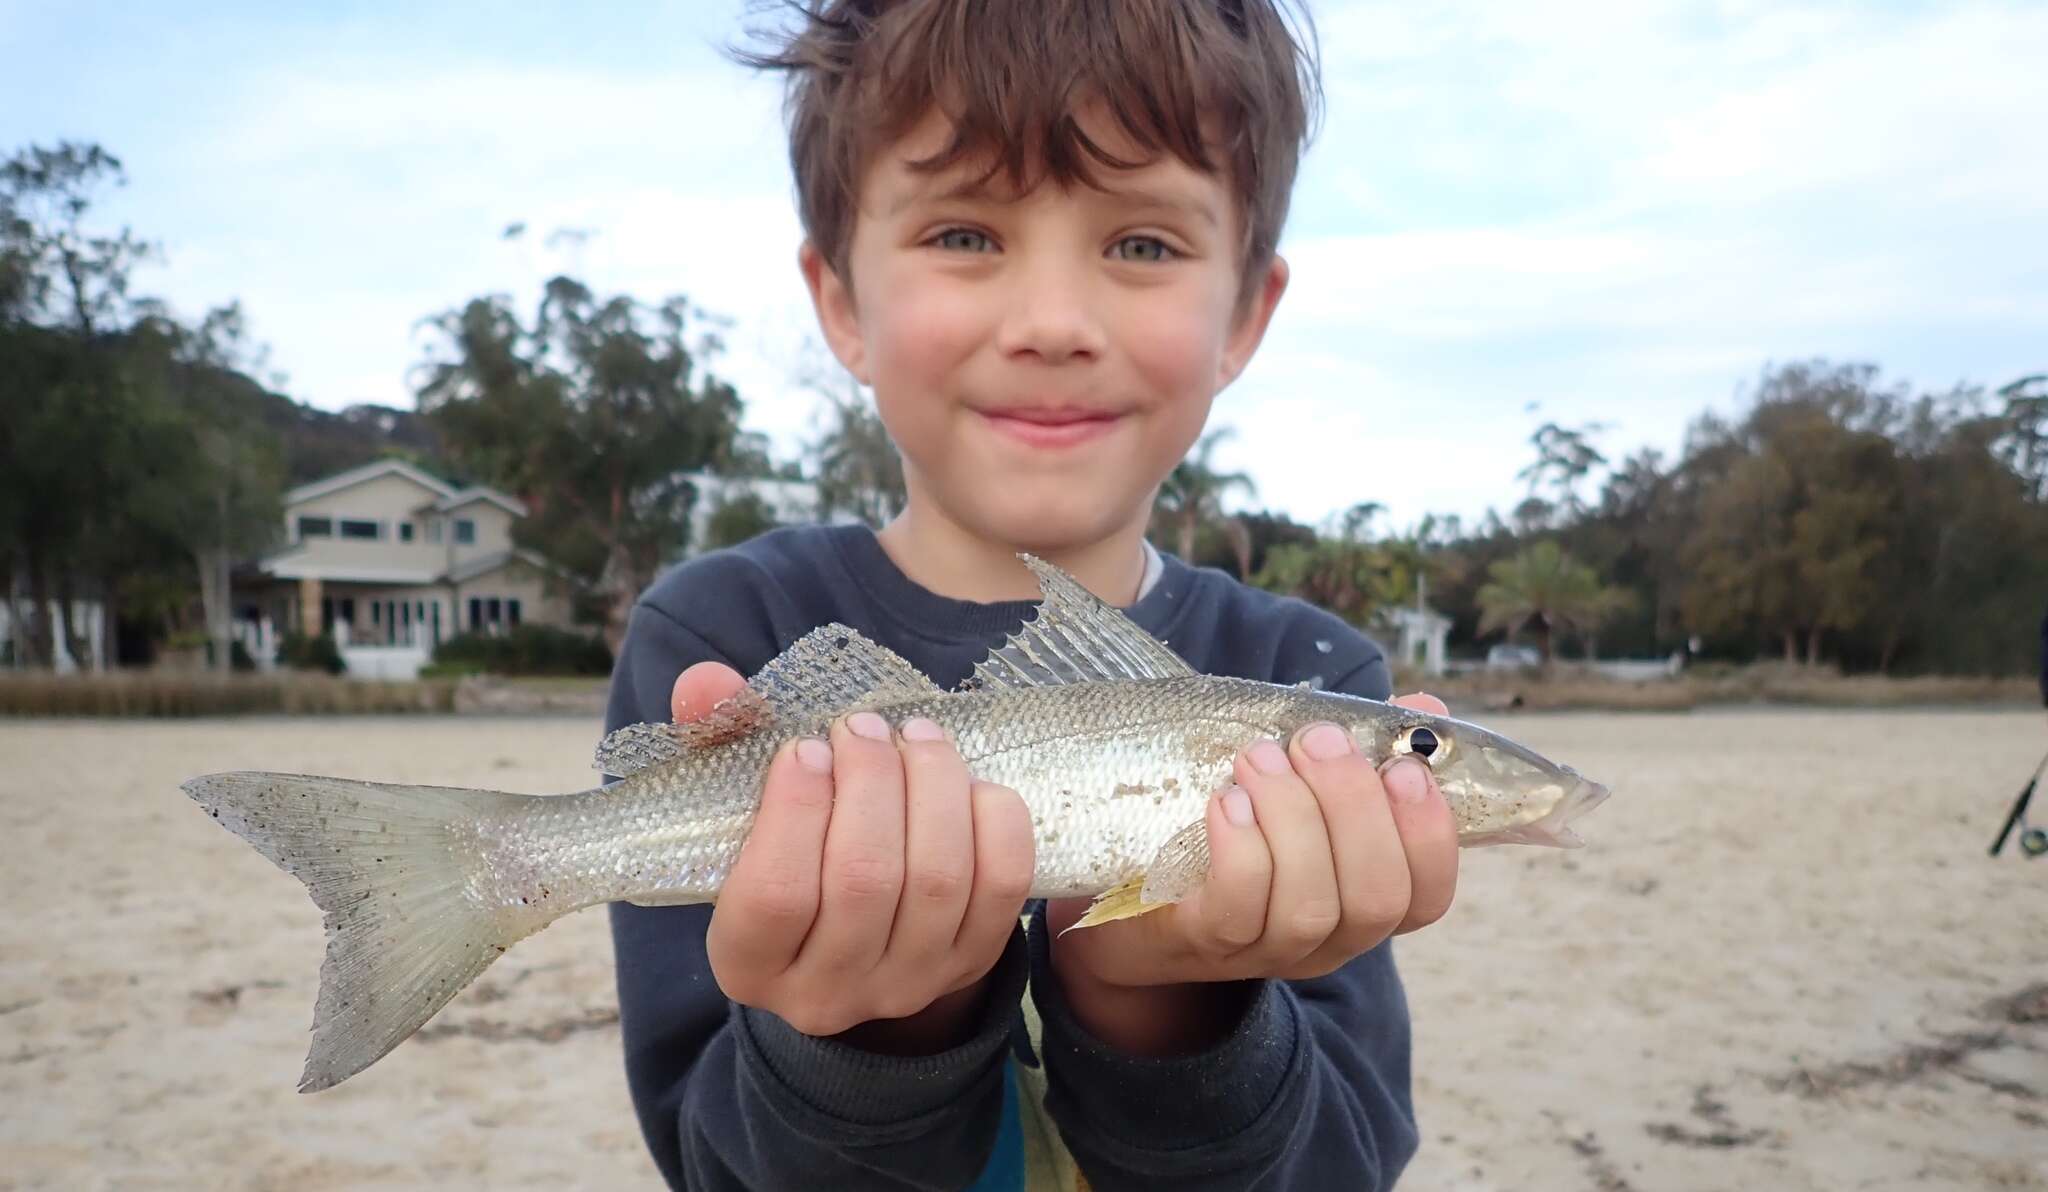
{"x":1074,"y":637}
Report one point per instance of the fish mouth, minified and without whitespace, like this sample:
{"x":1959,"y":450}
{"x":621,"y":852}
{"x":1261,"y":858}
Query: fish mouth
{"x":1584,"y":795}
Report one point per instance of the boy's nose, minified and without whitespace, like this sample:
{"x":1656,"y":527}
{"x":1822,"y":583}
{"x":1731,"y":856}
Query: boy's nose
{"x":1050,"y":315}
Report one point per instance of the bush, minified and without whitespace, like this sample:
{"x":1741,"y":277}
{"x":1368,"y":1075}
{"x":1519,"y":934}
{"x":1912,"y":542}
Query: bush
{"x":299,"y":652}
{"x":527,"y":650}
{"x":144,"y":693}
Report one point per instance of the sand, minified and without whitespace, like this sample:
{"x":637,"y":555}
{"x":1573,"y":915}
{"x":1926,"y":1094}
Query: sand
{"x":1784,"y":962}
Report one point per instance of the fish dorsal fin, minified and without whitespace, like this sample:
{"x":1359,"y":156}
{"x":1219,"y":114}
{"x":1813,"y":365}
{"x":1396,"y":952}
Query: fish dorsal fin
{"x":830,"y":670}
{"x":1074,"y":638}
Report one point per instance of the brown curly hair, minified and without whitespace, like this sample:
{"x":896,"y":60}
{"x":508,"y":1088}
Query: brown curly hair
{"x":1220,"y":84}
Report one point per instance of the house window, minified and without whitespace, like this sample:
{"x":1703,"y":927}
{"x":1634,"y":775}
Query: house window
{"x":315,"y":527}
{"x":512,"y":612}
{"x":465,"y":532}
{"x":376,"y":607}
{"x":353,"y":528}
{"x":492,"y":612}
{"x":476,"y":613}
{"x":405,"y":531}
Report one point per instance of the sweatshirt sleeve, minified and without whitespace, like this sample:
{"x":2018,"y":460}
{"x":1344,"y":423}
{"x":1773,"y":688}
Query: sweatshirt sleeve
{"x":1310,"y":1089}
{"x":733,"y":1098}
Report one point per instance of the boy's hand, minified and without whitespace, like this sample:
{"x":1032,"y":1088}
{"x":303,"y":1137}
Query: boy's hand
{"x":1313,"y":861}
{"x":878,"y":887}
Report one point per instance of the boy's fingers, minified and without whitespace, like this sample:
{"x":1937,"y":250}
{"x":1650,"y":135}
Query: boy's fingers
{"x":1422,"y":702}
{"x":938,"y":849}
{"x":1373,"y":885}
{"x":770,"y":900}
{"x":701,"y":688}
{"x":862,"y":878}
{"x":1003,"y":867}
{"x":1228,"y":910}
{"x":1302,"y":908}
{"x":1429,"y":838}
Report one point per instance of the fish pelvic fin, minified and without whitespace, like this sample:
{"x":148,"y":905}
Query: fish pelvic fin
{"x":395,"y":872}
{"x":1179,"y":867}
{"x":823,"y":674}
{"x":1122,"y":901}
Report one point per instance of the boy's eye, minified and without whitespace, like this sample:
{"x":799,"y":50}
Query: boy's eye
{"x":962,"y":240}
{"x":1142,"y":248}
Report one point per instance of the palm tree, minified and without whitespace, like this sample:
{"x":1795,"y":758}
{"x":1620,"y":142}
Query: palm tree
{"x":1544,"y":587}
{"x":1192,"y":496}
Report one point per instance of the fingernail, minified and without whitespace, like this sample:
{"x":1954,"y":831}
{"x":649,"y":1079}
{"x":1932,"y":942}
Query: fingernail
{"x":1326,"y":741}
{"x":814,"y":755}
{"x":869,"y":725}
{"x":1268,"y":758}
{"x":1407,"y":781}
{"x":1237,"y":807}
{"x":918,"y":728}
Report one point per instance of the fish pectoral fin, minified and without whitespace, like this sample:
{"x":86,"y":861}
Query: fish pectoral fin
{"x":1178,"y":869}
{"x":1180,"y":866}
{"x":1074,"y":638}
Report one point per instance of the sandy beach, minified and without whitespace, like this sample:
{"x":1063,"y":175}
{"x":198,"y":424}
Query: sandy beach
{"x":1783,"y":962}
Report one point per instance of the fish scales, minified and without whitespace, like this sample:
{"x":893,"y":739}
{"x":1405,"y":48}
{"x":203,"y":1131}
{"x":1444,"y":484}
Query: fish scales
{"x":1114,"y":745}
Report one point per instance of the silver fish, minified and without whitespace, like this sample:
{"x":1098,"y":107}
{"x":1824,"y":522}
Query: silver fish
{"x":1114,"y":743}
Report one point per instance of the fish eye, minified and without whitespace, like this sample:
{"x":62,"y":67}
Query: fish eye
{"x":1424,"y":742}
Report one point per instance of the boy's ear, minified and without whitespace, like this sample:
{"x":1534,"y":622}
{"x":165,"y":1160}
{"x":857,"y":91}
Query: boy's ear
{"x":833,"y":301}
{"x":1251,"y":321}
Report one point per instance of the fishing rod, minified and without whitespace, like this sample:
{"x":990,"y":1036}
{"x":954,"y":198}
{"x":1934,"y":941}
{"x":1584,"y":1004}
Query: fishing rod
{"x":2033,"y":841}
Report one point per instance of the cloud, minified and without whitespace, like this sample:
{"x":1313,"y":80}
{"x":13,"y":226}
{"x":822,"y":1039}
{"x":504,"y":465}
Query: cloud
{"x":1619,"y":217}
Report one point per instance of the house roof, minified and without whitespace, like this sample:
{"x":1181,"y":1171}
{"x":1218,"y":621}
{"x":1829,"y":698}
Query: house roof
{"x":478,"y":492}
{"x":368,"y":472}
{"x":491,"y":562}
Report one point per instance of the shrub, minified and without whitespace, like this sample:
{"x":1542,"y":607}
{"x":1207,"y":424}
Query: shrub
{"x":527,"y":650}
{"x":299,"y":652}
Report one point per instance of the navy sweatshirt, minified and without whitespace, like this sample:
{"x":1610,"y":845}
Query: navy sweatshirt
{"x":1310,"y":1089}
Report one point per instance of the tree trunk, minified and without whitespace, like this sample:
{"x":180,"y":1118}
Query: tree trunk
{"x":1187,"y":536}
{"x":36,"y":626}
{"x":1543,"y":641}
{"x":1813,"y":646}
{"x":214,"y":602}
{"x":1791,"y":646}
{"x":75,"y":647}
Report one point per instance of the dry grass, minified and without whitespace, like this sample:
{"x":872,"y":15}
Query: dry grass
{"x":144,"y":693}
{"x":1572,"y":687}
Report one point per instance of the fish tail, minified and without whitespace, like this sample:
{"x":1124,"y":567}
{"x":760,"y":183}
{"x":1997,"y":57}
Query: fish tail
{"x":406,"y":928}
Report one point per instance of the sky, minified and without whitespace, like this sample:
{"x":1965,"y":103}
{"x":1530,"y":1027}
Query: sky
{"x":1603,"y":212}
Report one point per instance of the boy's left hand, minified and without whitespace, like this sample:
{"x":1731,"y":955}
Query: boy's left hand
{"x":1313,"y":861}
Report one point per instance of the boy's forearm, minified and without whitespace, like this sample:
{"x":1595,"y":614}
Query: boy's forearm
{"x":947,"y":1023}
{"x":1306,"y":1086}
{"x":1151,"y":1020}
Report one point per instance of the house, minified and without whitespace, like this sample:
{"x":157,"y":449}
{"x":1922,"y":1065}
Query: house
{"x":789,"y":502}
{"x":388,"y":558}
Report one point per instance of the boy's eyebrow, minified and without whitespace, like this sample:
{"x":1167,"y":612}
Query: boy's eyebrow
{"x":1136,"y":196}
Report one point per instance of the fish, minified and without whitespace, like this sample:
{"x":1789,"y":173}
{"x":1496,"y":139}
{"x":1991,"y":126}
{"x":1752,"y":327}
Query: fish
{"x":1114,"y":743}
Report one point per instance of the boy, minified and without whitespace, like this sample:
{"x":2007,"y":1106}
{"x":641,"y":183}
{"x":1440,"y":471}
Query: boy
{"x":1043,"y":233}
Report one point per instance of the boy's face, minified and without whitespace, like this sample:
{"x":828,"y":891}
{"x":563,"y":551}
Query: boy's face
{"x":1042,"y":360}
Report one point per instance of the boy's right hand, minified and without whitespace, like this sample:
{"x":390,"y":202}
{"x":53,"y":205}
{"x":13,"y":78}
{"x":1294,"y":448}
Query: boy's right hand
{"x":879,"y":885}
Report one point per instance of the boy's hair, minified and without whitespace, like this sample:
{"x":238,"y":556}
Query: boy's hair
{"x":1195,"y":78}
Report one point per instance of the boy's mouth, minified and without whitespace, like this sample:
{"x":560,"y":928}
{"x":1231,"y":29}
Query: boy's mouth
{"x":1055,"y":426}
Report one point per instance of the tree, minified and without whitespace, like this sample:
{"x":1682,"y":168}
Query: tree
{"x":858,"y":468}
{"x":1564,"y":458}
{"x":2023,"y":441}
{"x":737,"y":517}
{"x":1344,"y":572}
{"x":1545,"y":588}
{"x":1191,"y":497}
{"x":593,"y":414}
